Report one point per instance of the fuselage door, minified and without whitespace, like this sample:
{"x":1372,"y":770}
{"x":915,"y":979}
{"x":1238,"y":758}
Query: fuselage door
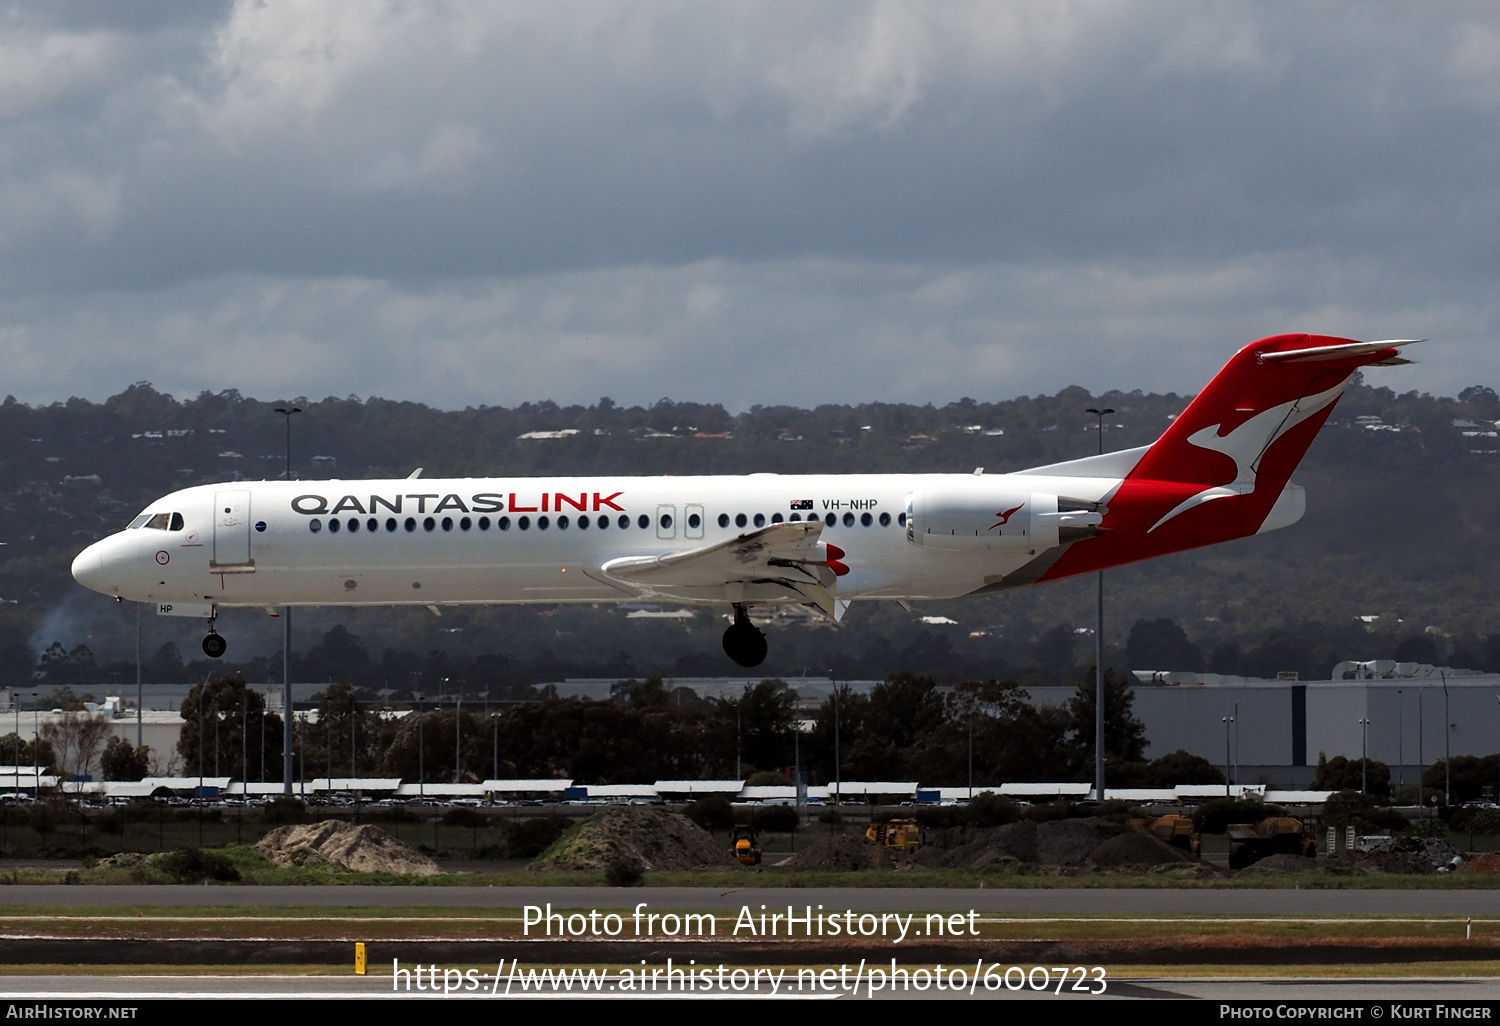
{"x":692,"y":521}
{"x":666,"y":521}
{"x":232,"y":532}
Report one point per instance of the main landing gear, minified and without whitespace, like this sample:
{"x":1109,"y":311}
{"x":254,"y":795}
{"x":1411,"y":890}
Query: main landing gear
{"x":214,"y":644}
{"x":743,"y":641}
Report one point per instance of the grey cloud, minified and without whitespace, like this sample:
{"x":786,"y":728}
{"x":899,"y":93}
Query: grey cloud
{"x":1032,"y":192}
{"x":800,"y":331}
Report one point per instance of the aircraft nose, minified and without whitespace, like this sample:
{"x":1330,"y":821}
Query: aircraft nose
{"x":88,"y":569}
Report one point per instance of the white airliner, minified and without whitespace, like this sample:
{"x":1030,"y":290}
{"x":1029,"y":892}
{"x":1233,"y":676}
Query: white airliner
{"x":1219,"y":472}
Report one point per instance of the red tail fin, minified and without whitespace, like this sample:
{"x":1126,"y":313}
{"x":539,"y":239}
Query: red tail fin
{"x":1219,"y":469}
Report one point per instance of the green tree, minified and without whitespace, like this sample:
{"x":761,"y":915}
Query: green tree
{"x":1124,"y":735}
{"x":123,"y":761}
{"x":239,"y":712}
{"x":1181,"y":767}
{"x":765,"y":715}
{"x":1471,"y":774}
{"x":1342,"y":774}
{"x":18,"y":751}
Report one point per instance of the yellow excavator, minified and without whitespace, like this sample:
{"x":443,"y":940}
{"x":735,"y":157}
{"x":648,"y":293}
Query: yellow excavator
{"x":744,"y":848}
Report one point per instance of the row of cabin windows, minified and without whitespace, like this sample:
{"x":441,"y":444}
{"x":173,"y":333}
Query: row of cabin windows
{"x":157,"y":522}
{"x":831,"y":519}
{"x":563,"y":522}
{"x":354,"y":524}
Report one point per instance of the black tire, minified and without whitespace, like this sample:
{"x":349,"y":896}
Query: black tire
{"x":1239,"y":856}
{"x":214,"y":646}
{"x":745,"y":644}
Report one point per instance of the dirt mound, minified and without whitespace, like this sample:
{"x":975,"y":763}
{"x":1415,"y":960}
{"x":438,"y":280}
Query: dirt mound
{"x":1408,"y":855}
{"x":979,"y":847}
{"x":1068,"y":842}
{"x":1488,"y":863}
{"x":1426,"y":849}
{"x":1283,"y":863}
{"x":1136,"y":849}
{"x":654,"y":839}
{"x":340,"y":845}
{"x":843,"y":853}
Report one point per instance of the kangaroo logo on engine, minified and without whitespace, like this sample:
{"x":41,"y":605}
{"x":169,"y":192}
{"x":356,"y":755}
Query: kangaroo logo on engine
{"x":1005,"y":517}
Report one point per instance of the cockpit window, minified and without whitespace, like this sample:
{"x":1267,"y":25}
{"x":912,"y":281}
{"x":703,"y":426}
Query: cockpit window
{"x":159,"y":521}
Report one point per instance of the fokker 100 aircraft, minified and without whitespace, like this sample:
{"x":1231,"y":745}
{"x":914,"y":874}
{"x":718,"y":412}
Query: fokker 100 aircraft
{"x":1221,"y":471}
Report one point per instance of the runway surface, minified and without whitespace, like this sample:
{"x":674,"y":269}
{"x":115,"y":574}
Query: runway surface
{"x":1040,"y":901}
{"x":122,"y":989}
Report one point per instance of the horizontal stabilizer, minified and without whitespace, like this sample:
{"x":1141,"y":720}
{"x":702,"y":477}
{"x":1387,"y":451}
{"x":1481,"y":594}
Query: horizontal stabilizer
{"x":1321,"y":354}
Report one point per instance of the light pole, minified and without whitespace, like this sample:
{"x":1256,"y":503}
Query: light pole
{"x":1099,"y":655}
{"x":286,"y":639}
{"x":838,"y":780}
{"x":1447,"y":746}
{"x":1364,"y":755}
{"x":138,"y":729}
{"x":1228,"y":723}
{"x":1400,"y":741}
{"x":1236,"y":722}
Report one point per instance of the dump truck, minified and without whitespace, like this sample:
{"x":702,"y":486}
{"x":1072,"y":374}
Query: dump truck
{"x":1274,"y":835}
{"x":905,"y":834}
{"x":1174,"y":829}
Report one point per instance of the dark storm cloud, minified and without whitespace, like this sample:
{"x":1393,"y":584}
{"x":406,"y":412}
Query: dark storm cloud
{"x":396,"y":197}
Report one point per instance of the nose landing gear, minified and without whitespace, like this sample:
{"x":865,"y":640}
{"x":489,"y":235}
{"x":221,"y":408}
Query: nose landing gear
{"x":214,"y":644}
{"x":743,"y":641}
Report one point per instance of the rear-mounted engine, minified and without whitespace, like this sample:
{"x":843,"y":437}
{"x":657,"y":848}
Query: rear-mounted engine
{"x":979,"y":519}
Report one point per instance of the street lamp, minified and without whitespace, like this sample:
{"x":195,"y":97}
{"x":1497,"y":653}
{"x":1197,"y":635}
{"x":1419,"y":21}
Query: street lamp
{"x":1364,"y":755}
{"x":1099,"y":655}
{"x":286,"y":639}
{"x":838,"y":780}
{"x":1400,"y":741}
{"x":1228,"y":724}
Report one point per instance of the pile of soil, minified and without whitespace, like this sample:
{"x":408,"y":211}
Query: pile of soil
{"x":340,"y":845}
{"x":1066,"y":842}
{"x":1488,"y":863}
{"x":1283,"y":863}
{"x":651,"y":838}
{"x":1069,"y":842}
{"x":981,"y":847}
{"x":1409,"y":855}
{"x":1136,"y":849}
{"x":844,"y":853}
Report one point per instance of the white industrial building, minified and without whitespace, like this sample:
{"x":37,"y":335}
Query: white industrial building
{"x":1416,"y":713}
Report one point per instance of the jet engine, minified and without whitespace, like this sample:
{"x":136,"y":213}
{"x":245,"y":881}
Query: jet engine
{"x":991,"y":519}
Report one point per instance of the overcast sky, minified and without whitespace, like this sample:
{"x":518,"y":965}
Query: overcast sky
{"x":793,"y":202}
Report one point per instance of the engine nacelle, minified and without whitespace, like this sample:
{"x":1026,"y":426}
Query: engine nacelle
{"x":990,"y":519}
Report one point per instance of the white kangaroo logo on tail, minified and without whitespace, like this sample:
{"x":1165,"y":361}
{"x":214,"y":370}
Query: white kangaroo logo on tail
{"x":1248,"y":442}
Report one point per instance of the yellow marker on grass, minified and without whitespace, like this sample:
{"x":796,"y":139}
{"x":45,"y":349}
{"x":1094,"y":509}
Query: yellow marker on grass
{"x":359,"y":958}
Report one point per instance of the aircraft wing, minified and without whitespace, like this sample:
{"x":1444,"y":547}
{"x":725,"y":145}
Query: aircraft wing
{"x":776,"y":563}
